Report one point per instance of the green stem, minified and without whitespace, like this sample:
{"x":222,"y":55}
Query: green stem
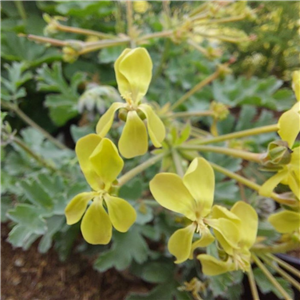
{"x":252,"y":284}
{"x":239,"y":134}
{"x":232,"y":152}
{"x":253,"y":185}
{"x":133,"y":172}
{"x":84,"y":31}
{"x":149,"y":36}
{"x":196,"y":88}
{"x":163,"y":58}
{"x":31,"y":123}
{"x":45,"y":40}
{"x":271,"y":278}
{"x":129,"y":17}
{"x":283,"y":264}
{"x":198,"y":47}
{"x":177,"y":162}
{"x":187,"y":114}
{"x":39,"y":159}
{"x":103,"y":44}
{"x":281,"y":272}
{"x":279,"y":248}
{"x":21,"y":9}
{"x":224,"y":20}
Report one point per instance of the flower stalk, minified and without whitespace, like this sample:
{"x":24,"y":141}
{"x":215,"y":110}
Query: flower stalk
{"x":271,"y":278}
{"x":253,"y":185}
{"x":197,"y":87}
{"x":232,"y":152}
{"x":239,"y":134}
{"x":135,"y":171}
{"x":31,"y":123}
{"x":252,"y":284}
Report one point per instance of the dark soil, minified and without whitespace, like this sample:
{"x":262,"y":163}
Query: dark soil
{"x":30,"y":275}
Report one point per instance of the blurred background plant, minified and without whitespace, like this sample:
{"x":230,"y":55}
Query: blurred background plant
{"x":58,"y":78}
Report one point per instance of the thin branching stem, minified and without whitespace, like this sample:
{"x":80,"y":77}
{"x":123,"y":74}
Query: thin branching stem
{"x":271,"y":278}
{"x":253,"y":185}
{"x":196,"y":88}
{"x":252,"y":284}
{"x":285,"y":275}
{"x":135,"y":171}
{"x":239,"y":134}
{"x":177,"y":162}
{"x":283,"y":264}
{"x":228,"y":151}
{"x":31,"y":123}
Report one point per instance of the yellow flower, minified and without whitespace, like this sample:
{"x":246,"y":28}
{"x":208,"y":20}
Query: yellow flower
{"x":289,"y":128}
{"x":289,"y":174}
{"x":191,"y":196}
{"x":285,"y":221}
{"x":296,"y":84}
{"x":238,"y":256}
{"x":133,"y":73}
{"x":101,"y":164}
{"x":140,"y":6}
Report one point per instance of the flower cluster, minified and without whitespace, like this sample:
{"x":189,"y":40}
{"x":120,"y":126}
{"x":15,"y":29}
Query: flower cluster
{"x":101,"y":164}
{"x":192,"y":196}
{"x":133,"y":73}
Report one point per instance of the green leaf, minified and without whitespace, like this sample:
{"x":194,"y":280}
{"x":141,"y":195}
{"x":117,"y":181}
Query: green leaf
{"x":266,"y":286}
{"x":222,"y":285}
{"x":6,"y":205}
{"x":126,"y":247}
{"x":110,"y":55}
{"x":63,"y":105}
{"x":17,"y":48}
{"x":29,"y":222}
{"x":165,"y":291}
{"x":132,"y":190}
{"x":54,"y":224}
{"x":157,"y":271}
{"x":84,"y":9}
{"x":36,"y":194}
{"x":79,"y":132}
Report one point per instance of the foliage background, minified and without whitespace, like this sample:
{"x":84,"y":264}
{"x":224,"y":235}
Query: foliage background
{"x":48,"y":90}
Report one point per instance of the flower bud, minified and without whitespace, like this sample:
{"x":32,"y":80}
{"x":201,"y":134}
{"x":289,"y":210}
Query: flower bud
{"x":278,"y":154}
{"x":220,"y":110}
{"x":69,"y":54}
{"x":123,"y":114}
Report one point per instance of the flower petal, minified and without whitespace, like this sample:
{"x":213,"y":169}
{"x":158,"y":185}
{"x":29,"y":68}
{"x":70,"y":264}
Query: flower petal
{"x":206,"y":239}
{"x":169,"y":191}
{"x":107,"y":119}
{"x":285,"y":221}
{"x":84,"y":148}
{"x":134,"y":139}
{"x":295,"y":172}
{"x":200,"y":181}
{"x":96,"y":227}
{"x":76,"y":207}
{"x":106,"y":161}
{"x":227,"y":233}
{"x":294,"y":183}
{"x":123,"y":83}
{"x":289,"y":126}
{"x":180,"y":243}
{"x":136,"y":67}
{"x":122,"y":215}
{"x":267,"y":188}
{"x":249,"y":222}
{"x":296,"y":84}
{"x":156,"y":127}
{"x":212,"y":266}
